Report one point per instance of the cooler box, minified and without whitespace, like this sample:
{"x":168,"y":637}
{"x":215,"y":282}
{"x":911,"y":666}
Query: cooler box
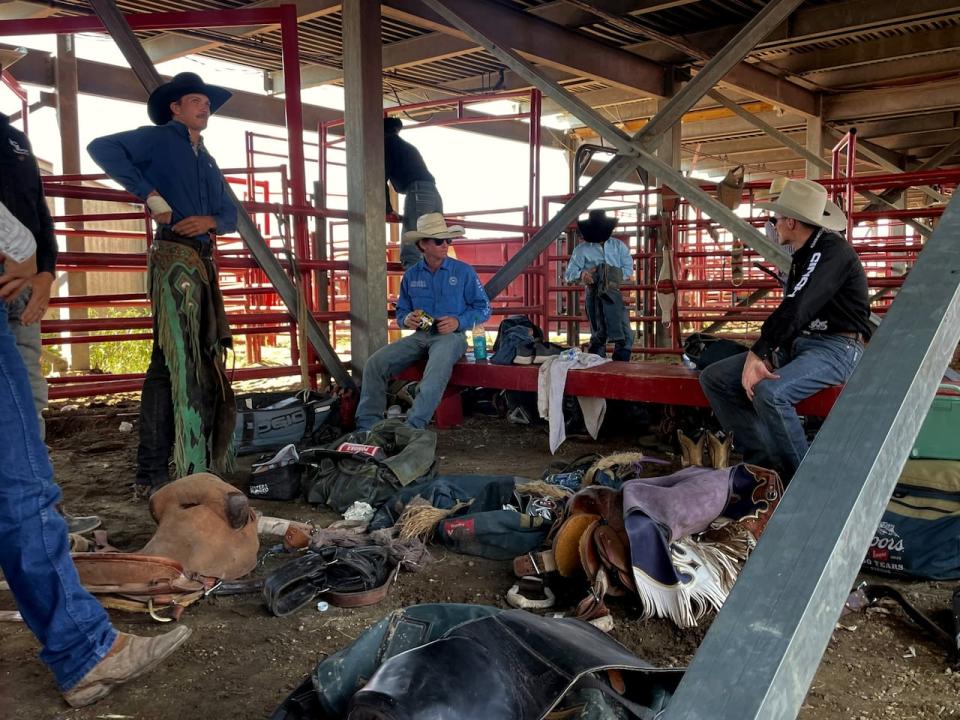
{"x":939,"y":436}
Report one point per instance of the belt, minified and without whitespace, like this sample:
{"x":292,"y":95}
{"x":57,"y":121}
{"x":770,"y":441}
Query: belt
{"x":204,"y":250}
{"x":853,"y":335}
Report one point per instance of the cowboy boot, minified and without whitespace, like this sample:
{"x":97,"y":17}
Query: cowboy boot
{"x":79,"y":524}
{"x":130,"y":657}
{"x":691,"y":453}
{"x":720,"y":449}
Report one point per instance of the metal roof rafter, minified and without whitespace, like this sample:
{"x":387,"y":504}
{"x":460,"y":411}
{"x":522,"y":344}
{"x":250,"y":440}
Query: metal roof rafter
{"x":638,"y":148}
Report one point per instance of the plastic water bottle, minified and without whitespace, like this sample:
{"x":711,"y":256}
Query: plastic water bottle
{"x":479,"y":343}
{"x":688,"y":363}
{"x":569,"y":354}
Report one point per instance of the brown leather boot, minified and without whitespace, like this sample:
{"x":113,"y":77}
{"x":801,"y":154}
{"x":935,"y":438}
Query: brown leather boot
{"x":131,"y":656}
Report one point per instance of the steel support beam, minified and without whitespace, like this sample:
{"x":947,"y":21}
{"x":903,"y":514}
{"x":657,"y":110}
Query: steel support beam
{"x":751,"y":79}
{"x":761,"y":652}
{"x":814,"y":140}
{"x":881,"y":157}
{"x":539,"y":40}
{"x":646,"y":140}
{"x":721,"y":213}
{"x":893,"y":196}
{"x":813,"y":160}
{"x":68,"y":118}
{"x":571,"y":103}
{"x":363,"y":119}
{"x":116,"y":24}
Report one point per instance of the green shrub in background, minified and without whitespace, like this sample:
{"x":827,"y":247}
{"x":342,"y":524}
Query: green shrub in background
{"x":131,"y":356}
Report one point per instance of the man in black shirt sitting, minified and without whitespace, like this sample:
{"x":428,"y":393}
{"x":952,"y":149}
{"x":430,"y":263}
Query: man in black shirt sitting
{"x":813,"y":340}
{"x":407,"y":172}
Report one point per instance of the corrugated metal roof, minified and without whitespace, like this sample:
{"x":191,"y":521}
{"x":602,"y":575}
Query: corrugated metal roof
{"x":321,"y":41}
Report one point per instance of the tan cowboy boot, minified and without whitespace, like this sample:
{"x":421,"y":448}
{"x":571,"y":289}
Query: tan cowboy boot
{"x":720,"y":451}
{"x":131,"y":656}
{"x":691,"y":453}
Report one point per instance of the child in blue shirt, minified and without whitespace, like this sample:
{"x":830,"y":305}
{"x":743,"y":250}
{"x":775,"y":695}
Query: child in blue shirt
{"x":601,"y":263}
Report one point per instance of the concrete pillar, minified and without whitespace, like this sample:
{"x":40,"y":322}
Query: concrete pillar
{"x":363,"y":116}
{"x":814,"y":143}
{"x":69,"y":120}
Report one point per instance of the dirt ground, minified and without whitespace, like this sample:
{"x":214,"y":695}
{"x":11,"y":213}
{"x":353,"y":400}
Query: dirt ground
{"x":241,"y":662}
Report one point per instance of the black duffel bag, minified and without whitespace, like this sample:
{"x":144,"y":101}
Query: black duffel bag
{"x":704,"y":349}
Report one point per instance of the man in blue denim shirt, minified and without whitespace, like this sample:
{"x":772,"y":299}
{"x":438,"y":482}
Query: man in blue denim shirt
{"x":449,"y":292}
{"x":186,"y":395}
{"x":812,"y":341}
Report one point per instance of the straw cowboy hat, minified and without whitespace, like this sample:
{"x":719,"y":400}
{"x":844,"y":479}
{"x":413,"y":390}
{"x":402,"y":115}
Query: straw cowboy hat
{"x":776,"y":187}
{"x":432,"y":225}
{"x":185,"y":83}
{"x":807,"y":201}
{"x":597,"y":227}
{"x":8,"y":56}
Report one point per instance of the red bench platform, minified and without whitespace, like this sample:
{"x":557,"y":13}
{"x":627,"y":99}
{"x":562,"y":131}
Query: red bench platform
{"x":652,"y":382}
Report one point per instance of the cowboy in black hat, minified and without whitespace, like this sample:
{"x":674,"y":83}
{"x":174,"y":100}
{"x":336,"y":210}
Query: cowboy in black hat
{"x":408,"y":173}
{"x":168,"y":167}
{"x":601,"y":264}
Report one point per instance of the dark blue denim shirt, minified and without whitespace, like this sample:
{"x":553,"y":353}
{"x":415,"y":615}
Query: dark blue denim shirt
{"x":161,"y":158}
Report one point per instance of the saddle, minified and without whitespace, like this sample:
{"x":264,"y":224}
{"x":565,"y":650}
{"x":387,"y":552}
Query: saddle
{"x":206,"y":533}
{"x":591,"y":542}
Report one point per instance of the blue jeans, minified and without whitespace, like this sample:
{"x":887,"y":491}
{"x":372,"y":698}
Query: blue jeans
{"x":442,"y":353}
{"x":30,"y":346}
{"x":768,"y":431}
{"x":34,"y":555}
{"x":421,"y":198}
{"x":608,"y":321}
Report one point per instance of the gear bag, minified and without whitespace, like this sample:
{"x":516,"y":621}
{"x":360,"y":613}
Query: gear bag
{"x":268,"y":421}
{"x":338,"y":478}
{"x":704,"y":349}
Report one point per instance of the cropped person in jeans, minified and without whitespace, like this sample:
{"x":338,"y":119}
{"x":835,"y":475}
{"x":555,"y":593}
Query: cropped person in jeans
{"x":440,"y":299}
{"x":601,"y":263}
{"x":813,"y":340}
{"x":187,"y":403}
{"x":86,"y":655}
{"x":407,"y":172}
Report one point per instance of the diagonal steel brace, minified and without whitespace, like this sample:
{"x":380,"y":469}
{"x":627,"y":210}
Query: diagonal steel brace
{"x":116,"y":24}
{"x":637,"y":150}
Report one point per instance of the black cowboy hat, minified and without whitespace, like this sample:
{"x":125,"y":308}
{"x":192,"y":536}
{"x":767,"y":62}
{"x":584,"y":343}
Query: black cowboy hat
{"x":597,"y":227}
{"x":185,"y":83}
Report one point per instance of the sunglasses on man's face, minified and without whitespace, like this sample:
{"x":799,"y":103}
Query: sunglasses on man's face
{"x":441,"y":241}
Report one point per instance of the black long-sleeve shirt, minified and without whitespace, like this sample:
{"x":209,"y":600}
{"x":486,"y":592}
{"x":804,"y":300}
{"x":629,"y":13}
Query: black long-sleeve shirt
{"x":826,"y":293}
{"x":22,"y":192}
{"x":403,"y":163}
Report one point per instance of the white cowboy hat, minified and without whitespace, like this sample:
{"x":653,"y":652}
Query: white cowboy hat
{"x":8,"y":56}
{"x":432,"y":225}
{"x":807,"y":201}
{"x":776,"y":187}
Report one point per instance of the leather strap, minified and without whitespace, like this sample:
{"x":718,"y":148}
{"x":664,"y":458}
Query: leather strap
{"x":534,"y":563}
{"x":362,"y":597}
